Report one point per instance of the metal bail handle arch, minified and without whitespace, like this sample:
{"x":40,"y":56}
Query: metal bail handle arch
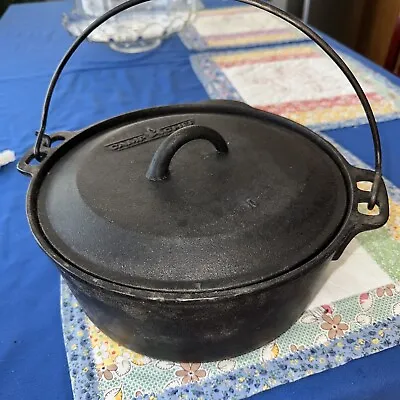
{"x":43,"y":139}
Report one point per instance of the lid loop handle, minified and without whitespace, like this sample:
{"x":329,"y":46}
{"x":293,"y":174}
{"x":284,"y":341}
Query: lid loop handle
{"x":263,"y":5}
{"x":159,"y":167}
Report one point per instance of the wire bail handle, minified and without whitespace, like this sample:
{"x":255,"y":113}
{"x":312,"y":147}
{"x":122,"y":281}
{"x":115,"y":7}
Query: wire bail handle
{"x":44,"y":140}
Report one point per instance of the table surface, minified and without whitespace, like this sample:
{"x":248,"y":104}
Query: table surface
{"x":98,"y":84}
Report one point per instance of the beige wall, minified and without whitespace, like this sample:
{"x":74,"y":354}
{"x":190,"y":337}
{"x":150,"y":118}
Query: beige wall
{"x":364,"y":25}
{"x":378,"y":26}
{"x":341,"y":19}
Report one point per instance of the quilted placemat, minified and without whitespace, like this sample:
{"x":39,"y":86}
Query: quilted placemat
{"x":355,"y":314}
{"x":239,"y":26}
{"x":297,"y":81}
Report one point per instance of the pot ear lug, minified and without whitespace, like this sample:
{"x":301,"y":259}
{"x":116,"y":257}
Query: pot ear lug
{"x":60,"y":136}
{"x":24,"y":164}
{"x":28,"y":165}
{"x":362,"y":219}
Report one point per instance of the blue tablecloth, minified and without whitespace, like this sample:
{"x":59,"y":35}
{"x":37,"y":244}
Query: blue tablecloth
{"x":98,"y":84}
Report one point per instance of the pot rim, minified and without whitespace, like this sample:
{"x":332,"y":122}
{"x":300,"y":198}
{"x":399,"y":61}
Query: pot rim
{"x":337,"y":243}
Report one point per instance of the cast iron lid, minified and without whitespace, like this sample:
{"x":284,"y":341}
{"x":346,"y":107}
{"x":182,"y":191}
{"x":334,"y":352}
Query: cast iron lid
{"x":220,"y":219}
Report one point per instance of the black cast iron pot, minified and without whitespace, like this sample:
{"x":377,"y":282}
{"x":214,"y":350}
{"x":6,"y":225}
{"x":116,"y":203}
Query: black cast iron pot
{"x":206,"y":252}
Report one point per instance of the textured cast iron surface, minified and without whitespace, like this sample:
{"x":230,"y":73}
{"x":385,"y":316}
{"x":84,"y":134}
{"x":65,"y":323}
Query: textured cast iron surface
{"x":220,"y":220}
{"x":187,"y":324}
{"x":201,"y":331}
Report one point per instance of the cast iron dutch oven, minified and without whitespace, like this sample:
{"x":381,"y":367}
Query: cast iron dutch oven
{"x":202,"y":252}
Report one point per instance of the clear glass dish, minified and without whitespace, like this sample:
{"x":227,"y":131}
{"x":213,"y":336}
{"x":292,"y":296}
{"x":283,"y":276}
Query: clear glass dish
{"x":138,"y":29}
